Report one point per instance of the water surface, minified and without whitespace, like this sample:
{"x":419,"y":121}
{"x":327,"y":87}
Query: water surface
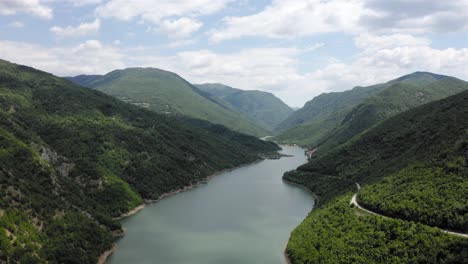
{"x":241,"y":216}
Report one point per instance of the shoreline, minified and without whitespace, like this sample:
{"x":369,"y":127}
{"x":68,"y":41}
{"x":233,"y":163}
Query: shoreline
{"x":104,"y":256}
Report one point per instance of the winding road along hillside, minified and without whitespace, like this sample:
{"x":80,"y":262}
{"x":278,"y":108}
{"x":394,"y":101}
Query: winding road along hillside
{"x":354,"y":201}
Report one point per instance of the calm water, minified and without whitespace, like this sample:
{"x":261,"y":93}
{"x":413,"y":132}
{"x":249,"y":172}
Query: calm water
{"x":242,"y":216}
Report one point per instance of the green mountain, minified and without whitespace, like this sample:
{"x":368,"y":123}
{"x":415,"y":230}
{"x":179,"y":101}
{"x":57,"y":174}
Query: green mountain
{"x":399,"y":97}
{"x":166,"y":92}
{"x":262,"y":107}
{"x":413,"y":169}
{"x":72,"y":158}
{"x":332,"y":119}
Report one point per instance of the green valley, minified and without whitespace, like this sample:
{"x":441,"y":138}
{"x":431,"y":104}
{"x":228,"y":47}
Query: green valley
{"x":167,"y":93}
{"x":72,"y":158}
{"x":262,"y":107}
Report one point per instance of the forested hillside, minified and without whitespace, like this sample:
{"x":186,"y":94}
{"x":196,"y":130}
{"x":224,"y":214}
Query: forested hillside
{"x":332,"y":119}
{"x":71,"y":158}
{"x":167,"y":93}
{"x":413,"y":168}
{"x":265,"y":108}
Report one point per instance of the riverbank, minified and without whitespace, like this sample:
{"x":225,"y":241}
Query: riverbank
{"x":104,"y":256}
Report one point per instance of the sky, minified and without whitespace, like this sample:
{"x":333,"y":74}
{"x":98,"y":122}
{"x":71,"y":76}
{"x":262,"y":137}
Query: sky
{"x":296,"y":49}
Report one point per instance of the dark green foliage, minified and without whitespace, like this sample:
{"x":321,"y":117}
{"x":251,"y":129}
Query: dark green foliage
{"x":338,"y":233}
{"x":435,"y":196}
{"x":395,"y":99}
{"x":265,"y":108}
{"x":71,"y":158}
{"x":330,"y":120}
{"x":433,"y":133}
{"x":416,"y":160}
{"x":166,"y":92}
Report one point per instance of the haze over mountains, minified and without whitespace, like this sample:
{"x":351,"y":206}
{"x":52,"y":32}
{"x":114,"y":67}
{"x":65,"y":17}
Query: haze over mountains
{"x":332,"y":119}
{"x":73,"y":158}
{"x":251,"y":112}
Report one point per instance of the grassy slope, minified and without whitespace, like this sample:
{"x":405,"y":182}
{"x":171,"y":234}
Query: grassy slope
{"x":422,"y":152}
{"x":166,"y":92}
{"x":262,"y":107}
{"x":330,"y":119}
{"x":72,"y":158}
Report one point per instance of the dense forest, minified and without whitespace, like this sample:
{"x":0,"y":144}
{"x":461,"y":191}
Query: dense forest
{"x":412,"y":168}
{"x":72,"y":158}
{"x":340,"y":233}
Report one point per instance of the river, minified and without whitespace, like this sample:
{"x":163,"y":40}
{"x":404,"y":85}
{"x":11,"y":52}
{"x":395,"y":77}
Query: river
{"x":240,"y":216}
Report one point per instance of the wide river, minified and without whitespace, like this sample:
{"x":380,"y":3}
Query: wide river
{"x":240,"y":216}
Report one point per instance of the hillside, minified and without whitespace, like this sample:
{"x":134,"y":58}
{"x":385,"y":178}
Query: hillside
{"x":397,"y":98}
{"x":166,"y":92}
{"x":263,"y":107}
{"x":71,"y":158}
{"x":337,"y":117}
{"x":412,"y":167}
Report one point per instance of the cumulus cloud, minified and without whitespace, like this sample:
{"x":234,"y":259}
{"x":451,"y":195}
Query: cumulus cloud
{"x":33,"y":7}
{"x":179,"y":28}
{"x":380,"y":58}
{"x":89,"y":57}
{"x":79,"y":31}
{"x":85,"y":2}
{"x":156,"y":10}
{"x":292,"y":19}
{"x":283,"y":18}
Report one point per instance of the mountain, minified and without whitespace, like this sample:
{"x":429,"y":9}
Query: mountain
{"x":412,"y":168}
{"x":72,"y":158}
{"x":263,"y":107}
{"x":84,"y":80}
{"x":332,"y":119}
{"x":166,"y":92}
{"x":401,"y":96}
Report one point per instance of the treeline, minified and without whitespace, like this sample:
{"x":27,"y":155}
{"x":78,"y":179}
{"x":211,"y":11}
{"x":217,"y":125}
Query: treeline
{"x":340,"y":233}
{"x":435,"y":196}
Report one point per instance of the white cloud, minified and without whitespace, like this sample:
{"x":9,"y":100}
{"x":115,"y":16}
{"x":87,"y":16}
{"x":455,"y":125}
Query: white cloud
{"x":156,"y":10}
{"x":180,"y":28}
{"x":285,"y":19}
{"x":90,"y":57}
{"x":380,"y":58}
{"x":33,"y":7}
{"x":85,"y":2}
{"x":79,"y":31}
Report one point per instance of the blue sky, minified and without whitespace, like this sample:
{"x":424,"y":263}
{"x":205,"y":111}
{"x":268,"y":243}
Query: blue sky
{"x":296,"y":49}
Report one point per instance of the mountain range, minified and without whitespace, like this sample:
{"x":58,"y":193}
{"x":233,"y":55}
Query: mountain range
{"x":252,"y":112}
{"x":73,"y":158}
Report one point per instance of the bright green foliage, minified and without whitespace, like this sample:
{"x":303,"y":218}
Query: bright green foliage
{"x":71,"y":158}
{"x":417,"y":161}
{"x":339,"y":233}
{"x":330,"y":120}
{"x":262,"y":107}
{"x":434,"y":196}
{"x":167,"y":93}
{"x":434,"y":133}
{"x":20,"y":240}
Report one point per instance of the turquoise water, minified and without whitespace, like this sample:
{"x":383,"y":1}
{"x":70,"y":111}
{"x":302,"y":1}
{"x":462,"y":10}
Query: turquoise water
{"x":240,"y":216}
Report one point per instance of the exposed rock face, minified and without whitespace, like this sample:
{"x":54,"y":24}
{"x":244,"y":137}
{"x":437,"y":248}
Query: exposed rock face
{"x":64,"y":169}
{"x":60,"y":163}
{"x":49,"y":155}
